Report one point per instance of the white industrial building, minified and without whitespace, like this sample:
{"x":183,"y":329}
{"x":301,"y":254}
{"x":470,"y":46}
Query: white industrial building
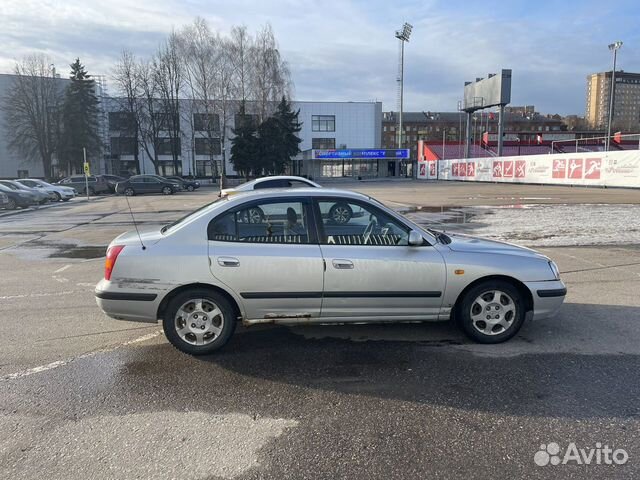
{"x":325,"y":125}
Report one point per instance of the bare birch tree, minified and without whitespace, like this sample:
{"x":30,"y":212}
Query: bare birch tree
{"x":168,"y":69}
{"x":32,"y":111}
{"x":127,"y":78}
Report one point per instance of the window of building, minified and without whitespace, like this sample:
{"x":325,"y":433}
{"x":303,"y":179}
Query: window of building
{"x":323,"y":143}
{"x":262,"y":223}
{"x":207,"y":146}
{"x":165,"y":123}
{"x":123,"y":145}
{"x":164,"y":145}
{"x":121,"y":122}
{"x":242,"y":119}
{"x":206,"y":122}
{"x":323,"y":123}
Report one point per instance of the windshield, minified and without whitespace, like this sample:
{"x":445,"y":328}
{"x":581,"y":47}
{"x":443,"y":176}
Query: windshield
{"x":9,"y":185}
{"x":193,"y":214}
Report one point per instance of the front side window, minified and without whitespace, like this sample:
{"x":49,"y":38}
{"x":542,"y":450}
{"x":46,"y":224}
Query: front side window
{"x":281,"y":222}
{"x":323,"y":123}
{"x":354,"y":223}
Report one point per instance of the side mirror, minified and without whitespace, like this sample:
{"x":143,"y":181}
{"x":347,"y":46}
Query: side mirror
{"x":415,"y":238}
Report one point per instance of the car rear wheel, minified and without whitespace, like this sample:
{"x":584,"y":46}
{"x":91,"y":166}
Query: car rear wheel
{"x":199,"y":321}
{"x":491,"y":312}
{"x":167,"y":190}
{"x":129,"y":192}
{"x":12,"y":205}
{"x":340,"y":213}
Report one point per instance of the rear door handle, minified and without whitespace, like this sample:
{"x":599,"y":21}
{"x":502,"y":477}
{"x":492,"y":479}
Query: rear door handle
{"x":228,"y":262}
{"x":342,"y":264}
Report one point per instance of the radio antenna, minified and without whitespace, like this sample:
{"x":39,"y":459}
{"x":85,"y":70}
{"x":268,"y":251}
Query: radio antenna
{"x":134,"y":222}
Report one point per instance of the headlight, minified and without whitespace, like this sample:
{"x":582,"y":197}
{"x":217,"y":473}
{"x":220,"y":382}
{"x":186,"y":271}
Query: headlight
{"x":555,"y":270}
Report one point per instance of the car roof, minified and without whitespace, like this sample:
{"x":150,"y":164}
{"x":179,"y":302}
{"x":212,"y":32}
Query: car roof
{"x":297,"y":192}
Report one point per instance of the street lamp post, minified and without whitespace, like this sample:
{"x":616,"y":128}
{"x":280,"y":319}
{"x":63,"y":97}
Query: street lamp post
{"x":614,"y":47}
{"x":402,"y":35}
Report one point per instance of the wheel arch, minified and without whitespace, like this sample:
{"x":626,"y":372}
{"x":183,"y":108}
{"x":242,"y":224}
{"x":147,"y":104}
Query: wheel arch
{"x":183,"y":288}
{"x":521,"y":287}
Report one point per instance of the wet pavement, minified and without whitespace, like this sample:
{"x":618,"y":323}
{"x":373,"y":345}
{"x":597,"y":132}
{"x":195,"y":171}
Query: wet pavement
{"x":83,"y":396}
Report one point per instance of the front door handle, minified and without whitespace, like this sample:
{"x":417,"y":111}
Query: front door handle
{"x":342,"y":264}
{"x":228,"y":262}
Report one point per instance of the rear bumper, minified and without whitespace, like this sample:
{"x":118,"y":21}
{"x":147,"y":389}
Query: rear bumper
{"x":547,"y":297}
{"x":133,"y":305}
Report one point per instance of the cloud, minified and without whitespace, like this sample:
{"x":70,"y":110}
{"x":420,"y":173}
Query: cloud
{"x":346,"y":50}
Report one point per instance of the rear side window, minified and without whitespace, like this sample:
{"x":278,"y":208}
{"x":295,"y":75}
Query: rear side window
{"x":271,"y":184}
{"x":282,"y":222}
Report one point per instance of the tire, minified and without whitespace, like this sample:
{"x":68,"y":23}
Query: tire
{"x":497,"y":299}
{"x":58,"y":196}
{"x":340,"y":213}
{"x":12,"y":205}
{"x":167,"y":190}
{"x":191,"y":188}
{"x":198,"y":302}
{"x":92,"y":192}
{"x":66,"y":199}
{"x":129,"y":192}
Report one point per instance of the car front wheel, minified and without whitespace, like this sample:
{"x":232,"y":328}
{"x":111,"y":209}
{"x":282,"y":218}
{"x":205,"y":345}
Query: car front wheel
{"x":491,"y":312}
{"x":167,"y":190}
{"x":199,"y":321}
{"x":191,"y":188}
{"x":129,"y":192}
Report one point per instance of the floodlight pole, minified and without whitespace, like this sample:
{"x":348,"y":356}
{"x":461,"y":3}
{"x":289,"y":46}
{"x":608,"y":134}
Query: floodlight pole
{"x":402,"y":35}
{"x":614,"y":47}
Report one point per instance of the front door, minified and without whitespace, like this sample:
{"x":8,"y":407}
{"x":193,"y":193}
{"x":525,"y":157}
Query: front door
{"x":371,"y":271}
{"x":266,"y":252}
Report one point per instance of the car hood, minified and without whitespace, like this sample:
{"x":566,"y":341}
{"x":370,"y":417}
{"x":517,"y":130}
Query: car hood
{"x":470,"y":244}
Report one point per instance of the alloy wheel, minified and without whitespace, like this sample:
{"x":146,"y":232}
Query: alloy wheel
{"x":199,"y":321}
{"x":493,"y":312}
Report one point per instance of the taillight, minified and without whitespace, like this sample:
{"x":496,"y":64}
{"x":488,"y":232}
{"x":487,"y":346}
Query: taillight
{"x":112,"y":255}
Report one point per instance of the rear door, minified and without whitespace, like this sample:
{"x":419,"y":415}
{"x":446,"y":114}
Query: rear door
{"x":266,"y":251}
{"x":371,"y":271}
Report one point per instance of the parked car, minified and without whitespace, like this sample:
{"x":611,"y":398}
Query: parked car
{"x":202,"y":273}
{"x":18,"y":198}
{"x":280,"y":181}
{"x":4,"y":200}
{"x":146,"y":184}
{"x":189,"y":185}
{"x":96,"y":184}
{"x":112,"y":180}
{"x":40,"y":196}
{"x":61,"y":192}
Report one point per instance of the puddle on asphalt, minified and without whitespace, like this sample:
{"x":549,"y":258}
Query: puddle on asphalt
{"x":85,"y":252}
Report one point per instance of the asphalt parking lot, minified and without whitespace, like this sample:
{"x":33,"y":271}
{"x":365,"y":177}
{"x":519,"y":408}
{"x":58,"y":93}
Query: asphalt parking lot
{"x":83,"y":396}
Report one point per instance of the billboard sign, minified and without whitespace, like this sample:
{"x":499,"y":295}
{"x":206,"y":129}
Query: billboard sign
{"x":488,"y":92}
{"x":620,"y":169}
{"x":390,"y":154}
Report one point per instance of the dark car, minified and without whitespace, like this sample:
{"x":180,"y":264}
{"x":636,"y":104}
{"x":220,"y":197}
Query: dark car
{"x":112,"y":180}
{"x":18,"y":198}
{"x":96,"y":184}
{"x":146,"y":184}
{"x":40,"y":196}
{"x":189,"y":185}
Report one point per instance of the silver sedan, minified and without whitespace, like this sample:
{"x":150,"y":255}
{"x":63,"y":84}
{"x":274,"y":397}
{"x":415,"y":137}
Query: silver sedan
{"x":277,"y":256}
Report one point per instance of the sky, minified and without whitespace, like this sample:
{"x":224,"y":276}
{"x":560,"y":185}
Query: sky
{"x":345,"y":50}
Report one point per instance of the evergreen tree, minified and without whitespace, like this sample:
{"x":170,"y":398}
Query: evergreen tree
{"x":244,"y":148}
{"x":290,"y":127}
{"x":80,"y":119}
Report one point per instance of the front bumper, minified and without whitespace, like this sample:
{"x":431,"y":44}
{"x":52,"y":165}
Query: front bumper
{"x":547,"y":297}
{"x":133,"y":305}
